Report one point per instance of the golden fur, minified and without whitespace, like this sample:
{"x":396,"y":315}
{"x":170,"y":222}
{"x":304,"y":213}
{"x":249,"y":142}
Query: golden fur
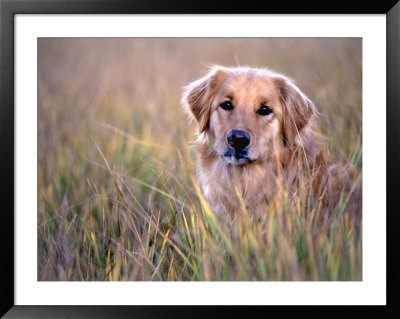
{"x":284,"y":153}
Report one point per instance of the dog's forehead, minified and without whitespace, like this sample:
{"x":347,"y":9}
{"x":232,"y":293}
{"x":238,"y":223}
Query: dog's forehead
{"x":250,"y":83}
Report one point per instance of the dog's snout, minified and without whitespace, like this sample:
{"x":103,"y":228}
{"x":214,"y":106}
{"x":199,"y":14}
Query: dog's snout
{"x":238,"y":139}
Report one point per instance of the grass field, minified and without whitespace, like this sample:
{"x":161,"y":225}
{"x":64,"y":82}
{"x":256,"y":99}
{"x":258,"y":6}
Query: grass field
{"x":117,"y":191}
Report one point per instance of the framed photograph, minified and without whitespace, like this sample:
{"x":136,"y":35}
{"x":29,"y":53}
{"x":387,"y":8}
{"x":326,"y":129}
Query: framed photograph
{"x":160,"y":154}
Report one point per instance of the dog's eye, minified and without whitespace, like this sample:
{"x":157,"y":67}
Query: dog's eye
{"x":227,"y":105}
{"x":264,"y":110}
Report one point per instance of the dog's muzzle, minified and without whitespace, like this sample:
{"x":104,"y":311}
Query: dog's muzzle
{"x":237,"y":152}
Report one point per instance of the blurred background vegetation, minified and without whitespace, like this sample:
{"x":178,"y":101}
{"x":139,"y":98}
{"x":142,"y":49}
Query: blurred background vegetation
{"x":117,"y":193}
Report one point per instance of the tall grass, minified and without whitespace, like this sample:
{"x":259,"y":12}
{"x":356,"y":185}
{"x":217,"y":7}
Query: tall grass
{"x":117,"y":192}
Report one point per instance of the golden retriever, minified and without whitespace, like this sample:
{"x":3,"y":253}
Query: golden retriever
{"x":255,"y":138}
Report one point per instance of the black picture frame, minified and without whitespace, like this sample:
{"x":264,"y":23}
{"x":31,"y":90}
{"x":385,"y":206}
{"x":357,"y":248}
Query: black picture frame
{"x":8,"y":10}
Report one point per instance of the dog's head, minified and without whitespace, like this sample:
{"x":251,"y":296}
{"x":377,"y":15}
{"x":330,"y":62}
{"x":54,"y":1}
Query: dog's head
{"x":246,"y":113}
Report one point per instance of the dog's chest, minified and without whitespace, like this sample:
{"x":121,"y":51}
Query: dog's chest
{"x":226,"y":186}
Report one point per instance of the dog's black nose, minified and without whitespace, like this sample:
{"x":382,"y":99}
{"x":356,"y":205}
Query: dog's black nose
{"x":238,"y":139}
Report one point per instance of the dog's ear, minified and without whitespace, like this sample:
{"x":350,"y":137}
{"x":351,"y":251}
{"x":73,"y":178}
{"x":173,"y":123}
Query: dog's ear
{"x":298,"y":110}
{"x":198,"y":95}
